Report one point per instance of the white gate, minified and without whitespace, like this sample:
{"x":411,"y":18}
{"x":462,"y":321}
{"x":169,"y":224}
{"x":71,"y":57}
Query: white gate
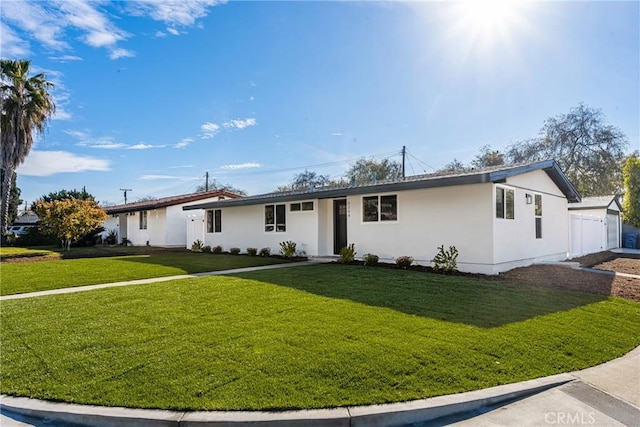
{"x":195,"y":229}
{"x":587,"y":235}
{"x":613,"y":231}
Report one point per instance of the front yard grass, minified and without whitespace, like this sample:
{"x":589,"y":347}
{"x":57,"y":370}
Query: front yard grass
{"x":39,"y":276}
{"x":302,"y":337}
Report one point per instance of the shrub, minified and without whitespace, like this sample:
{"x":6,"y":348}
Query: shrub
{"x":347,"y":254}
{"x":252,"y":251}
{"x":112,"y":237}
{"x":445,"y":261}
{"x":404,"y":261}
{"x":206,"y":249}
{"x":34,"y":236}
{"x":288,"y":248}
{"x":265,"y":252}
{"x":371,"y":259}
{"x":127,"y":242}
{"x":234,"y":251}
{"x":196,"y":246}
{"x":216,"y":249}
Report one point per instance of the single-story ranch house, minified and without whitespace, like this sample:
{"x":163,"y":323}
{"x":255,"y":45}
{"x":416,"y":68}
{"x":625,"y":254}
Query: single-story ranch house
{"x":498,"y":218}
{"x":158,"y":222}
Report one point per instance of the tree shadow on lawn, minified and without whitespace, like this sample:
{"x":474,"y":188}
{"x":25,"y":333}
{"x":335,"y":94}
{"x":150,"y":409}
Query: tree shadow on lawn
{"x":485,"y":303}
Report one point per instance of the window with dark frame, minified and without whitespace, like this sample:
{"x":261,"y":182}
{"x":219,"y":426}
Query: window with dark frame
{"x":214,"y":221}
{"x":303,"y":206}
{"x":505,"y":203}
{"x":143,"y":220}
{"x":380,"y":208}
{"x":538,"y":215}
{"x":275,"y":218}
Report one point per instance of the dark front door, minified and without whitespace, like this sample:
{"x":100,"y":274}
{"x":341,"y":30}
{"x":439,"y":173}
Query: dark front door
{"x":339,"y":225}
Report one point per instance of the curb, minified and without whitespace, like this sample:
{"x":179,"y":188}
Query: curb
{"x":392,"y":414}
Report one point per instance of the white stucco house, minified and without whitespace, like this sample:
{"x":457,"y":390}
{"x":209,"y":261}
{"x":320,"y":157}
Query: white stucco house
{"x":158,"y":222}
{"x":498,"y":218}
{"x":595,"y":225}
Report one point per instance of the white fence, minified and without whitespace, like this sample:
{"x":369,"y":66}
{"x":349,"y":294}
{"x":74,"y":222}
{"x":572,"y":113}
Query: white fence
{"x":587,"y":235}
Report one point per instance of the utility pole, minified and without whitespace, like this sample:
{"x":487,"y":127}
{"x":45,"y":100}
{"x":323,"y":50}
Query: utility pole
{"x":206,"y":181}
{"x":125,"y":193}
{"x":404,"y":154}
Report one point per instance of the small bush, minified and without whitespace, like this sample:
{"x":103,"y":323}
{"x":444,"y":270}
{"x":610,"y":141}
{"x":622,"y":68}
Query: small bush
{"x":288,"y":249}
{"x":234,"y":251}
{"x":404,"y":261}
{"x":112,"y":237}
{"x":265,"y":252}
{"x":371,"y":259}
{"x":34,"y":236}
{"x":252,"y":251}
{"x":127,"y":242}
{"x":206,"y":249}
{"x":196,"y":246}
{"x":445,"y":260}
{"x":216,"y":249}
{"x":347,"y":254}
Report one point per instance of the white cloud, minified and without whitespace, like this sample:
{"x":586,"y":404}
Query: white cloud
{"x":248,"y":165}
{"x":174,"y":12}
{"x":142,"y":146}
{"x":209,"y":130}
{"x":337,"y":134}
{"x":181,"y":167}
{"x":121,"y":53}
{"x":43,"y":25}
{"x":159,"y":34}
{"x":173,"y":31}
{"x":65,"y":58}
{"x":240,"y":124}
{"x":47,"y":163}
{"x":165,"y":177}
{"x":11,"y":45}
{"x":183,"y":143}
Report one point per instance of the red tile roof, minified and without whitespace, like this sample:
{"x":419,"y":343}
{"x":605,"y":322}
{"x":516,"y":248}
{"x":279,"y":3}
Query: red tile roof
{"x":168,"y":201}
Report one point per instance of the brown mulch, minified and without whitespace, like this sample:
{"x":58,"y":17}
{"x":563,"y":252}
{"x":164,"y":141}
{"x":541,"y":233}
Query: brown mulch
{"x":563,"y":277}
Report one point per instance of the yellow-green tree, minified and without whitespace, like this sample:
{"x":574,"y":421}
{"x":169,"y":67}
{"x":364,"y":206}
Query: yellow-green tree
{"x":69,"y":219}
{"x":631,"y":175}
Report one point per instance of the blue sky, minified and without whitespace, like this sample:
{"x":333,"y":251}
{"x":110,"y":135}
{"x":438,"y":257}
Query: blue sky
{"x":151,"y":95}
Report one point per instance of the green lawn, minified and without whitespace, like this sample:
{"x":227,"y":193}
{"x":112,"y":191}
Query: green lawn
{"x":17,"y":252}
{"x":19,"y":278}
{"x":302,"y":337}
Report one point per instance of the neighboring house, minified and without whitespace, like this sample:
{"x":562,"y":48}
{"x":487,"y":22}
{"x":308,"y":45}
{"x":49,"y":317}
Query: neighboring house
{"x":498,"y":218}
{"x":26,"y":219}
{"x":595,"y":225}
{"x":157,"y":222}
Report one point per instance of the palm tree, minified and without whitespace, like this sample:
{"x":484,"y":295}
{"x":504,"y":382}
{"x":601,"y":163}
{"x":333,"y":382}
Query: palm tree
{"x":26,"y":105}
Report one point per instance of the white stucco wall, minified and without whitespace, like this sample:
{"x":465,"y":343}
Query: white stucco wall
{"x":515,"y":242}
{"x":243,"y":227}
{"x":111,"y":223}
{"x":457,"y":216}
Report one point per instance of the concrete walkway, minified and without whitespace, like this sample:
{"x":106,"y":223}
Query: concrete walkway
{"x":605,"y":395}
{"x":152,"y":280}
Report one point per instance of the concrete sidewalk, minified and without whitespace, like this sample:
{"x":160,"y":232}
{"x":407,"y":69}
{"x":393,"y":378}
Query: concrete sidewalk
{"x":605,"y":395}
{"x":152,"y":280}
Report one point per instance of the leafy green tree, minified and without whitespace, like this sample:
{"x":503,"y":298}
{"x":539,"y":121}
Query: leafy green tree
{"x":68,"y":194}
{"x":14,"y":198}
{"x":26,"y":105}
{"x":363,"y":169}
{"x":631,"y":204}
{"x":217,"y":186}
{"x":588,"y":149}
{"x":487,"y":158}
{"x":69,"y":219}
{"x":305,"y":180}
{"x":455,"y":166}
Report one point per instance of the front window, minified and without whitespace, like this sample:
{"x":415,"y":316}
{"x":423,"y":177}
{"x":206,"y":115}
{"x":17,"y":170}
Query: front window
{"x":505,"y":203}
{"x":380,"y":208}
{"x":275,"y":218}
{"x":143,"y":220}
{"x":214,"y":221}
